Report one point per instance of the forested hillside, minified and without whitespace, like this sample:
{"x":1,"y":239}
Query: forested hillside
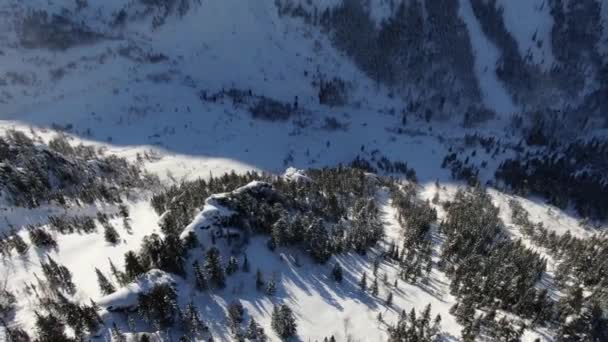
{"x":336,"y":170}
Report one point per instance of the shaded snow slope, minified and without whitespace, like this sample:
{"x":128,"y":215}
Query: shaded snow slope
{"x":487,"y":55}
{"x":530,"y":23}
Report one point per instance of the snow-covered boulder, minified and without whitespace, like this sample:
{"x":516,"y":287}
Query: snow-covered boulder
{"x":295,"y":175}
{"x":126,"y":298}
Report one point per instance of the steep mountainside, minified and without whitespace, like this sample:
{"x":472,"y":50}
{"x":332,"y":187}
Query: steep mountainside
{"x":340,"y":170}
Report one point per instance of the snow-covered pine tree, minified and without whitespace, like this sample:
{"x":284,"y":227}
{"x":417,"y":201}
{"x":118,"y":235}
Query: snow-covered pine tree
{"x":255,"y":332}
{"x":110,"y":234}
{"x":363,"y":282}
{"x":214,"y":269}
{"x":133,"y":266}
{"x":233,"y":265}
{"x":191,"y":321}
{"x":105,"y":286}
{"x":199,"y":277}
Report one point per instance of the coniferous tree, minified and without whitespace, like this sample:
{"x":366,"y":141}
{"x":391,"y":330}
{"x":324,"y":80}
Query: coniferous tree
{"x":363,"y":282}
{"x":159,"y":305}
{"x":110,"y":234}
{"x":58,"y":276}
{"x":414,"y":327}
{"x":124,"y":213}
{"x":283,"y":321}
{"x":50,"y":329}
{"x":471,"y":330}
{"x":41,"y":238}
{"x":336,"y":273}
{"x":374,"y":287}
{"x":117,"y":335}
{"x":199,"y":277}
{"x":376,"y":264}
{"x":105,"y":286}
{"x":191,"y":321}
{"x":271,"y":287}
{"x":235,"y":318}
{"x":213,"y":267}
{"x":233,"y":265}
{"x":255,"y":332}
{"x":14,"y":334}
{"x":279,"y":232}
{"x":318,"y":242}
{"x":425,"y":319}
{"x":436,"y":328}
{"x":17,"y":241}
{"x":259,"y":280}
{"x":133,"y":266}
{"x":172,"y":255}
{"x":245,"y":266}
{"x":389,"y":299}
{"x":118,"y":275}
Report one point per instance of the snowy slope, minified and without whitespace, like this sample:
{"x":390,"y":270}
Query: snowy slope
{"x":530,"y":23}
{"x":486,"y":57}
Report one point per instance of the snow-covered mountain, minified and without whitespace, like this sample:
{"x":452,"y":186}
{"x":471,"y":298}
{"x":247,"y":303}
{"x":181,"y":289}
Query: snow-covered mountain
{"x":128,"y":127}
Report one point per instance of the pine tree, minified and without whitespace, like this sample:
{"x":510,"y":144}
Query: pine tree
{"x":389,"y":299}
{"x":213,"y":267}
{"x":279,"y":232}
{"x":124,"y":212}
{"x":18,"y":243}
{"x":271,"y":287}
{"x":233,"y":265}
{"x":191,"y":322}
{"x":425,"y":319}
{"x":118,"y":275}
{"x":471,"y":330}
{"x":317,"y":241}
{"x":14,"y":334}
{"x":105,"y":286}
{"x":133,"y":266}
{"x":158,"y":306}
{"x":376,"y":264}
{"x":199,"y":277}
{"x":58,"y":276}
{"x":275,"y":320}
{"x":235,"y":317}
{"x":117,"y":335}
{"x":259,"y":280}
{"x":283,"y":321}
{"x":41,"y":238}
{"x":110,"y":234}
{"x":255,"y":332}
{"x":127,"y":225}
{"x":436,"y":328}
{"x":374,"y":287}
{"x":413,"y":322}
{"x":245,"y":266}
{"x":336,"y":273}
{"x":50,"y":329}
{"x":363,"y":282}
